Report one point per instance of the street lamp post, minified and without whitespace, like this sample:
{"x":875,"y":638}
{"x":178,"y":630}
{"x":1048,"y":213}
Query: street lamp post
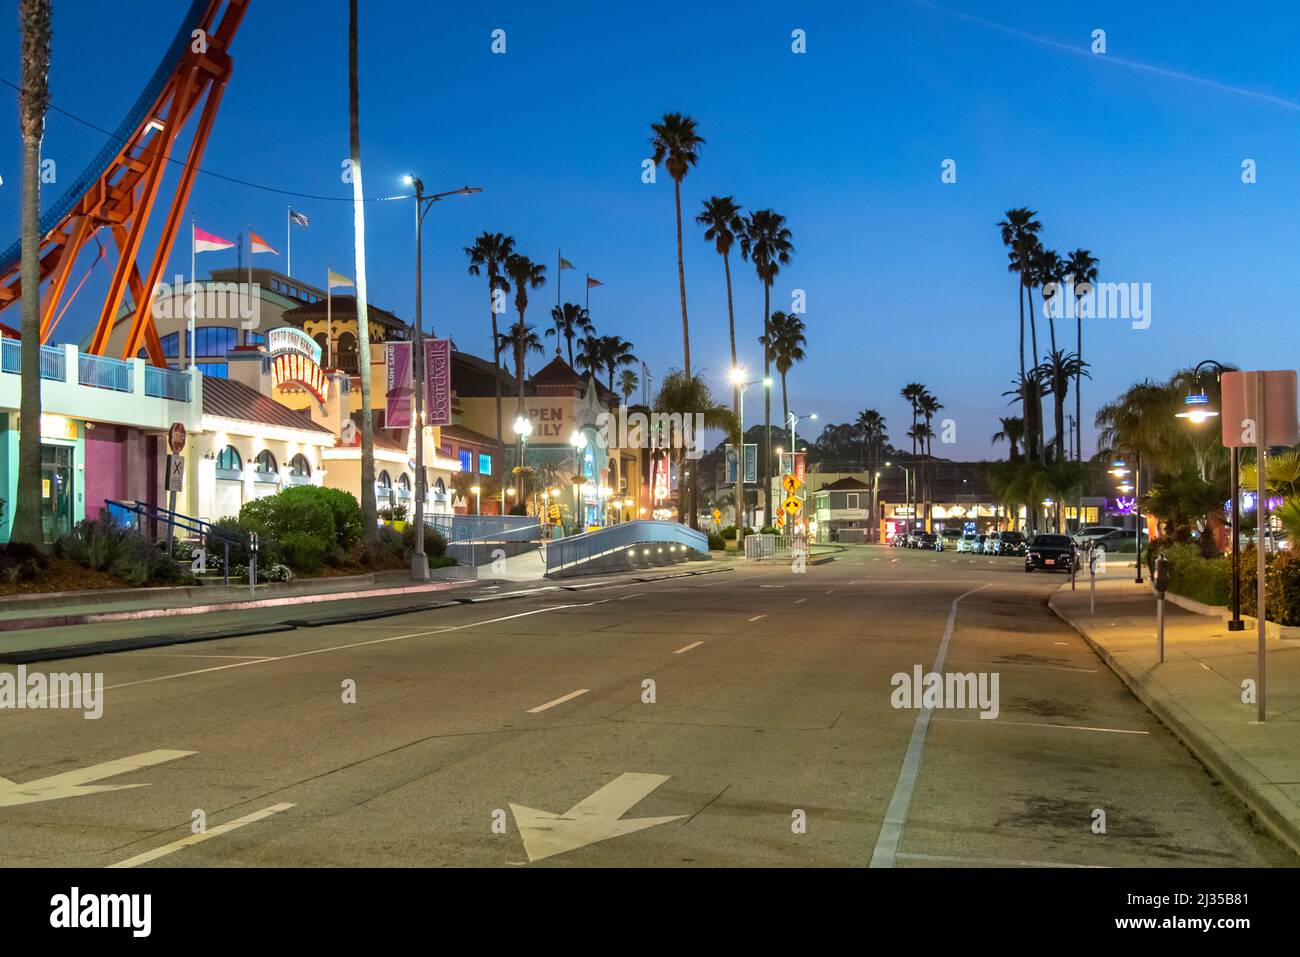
{"x":478,"y":502}
{"x":738,"y":380}
{"x":423,"y":203}
{"x":523,"y":427}
{"x":1197,"y":410}
{"x":1119,"y":470}
{"x":579,"y":442}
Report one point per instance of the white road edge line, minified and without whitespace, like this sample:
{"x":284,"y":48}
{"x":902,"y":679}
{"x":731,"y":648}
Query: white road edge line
{"x":991,"y":861}
{"x":192,"y":839}
{"x":891,"y":829}
{"x":1044,"y":724}
{"x":693,"y":644}
{"x":800,"y":600}
{"x":551,"y":704}
{"x":757,"y":617}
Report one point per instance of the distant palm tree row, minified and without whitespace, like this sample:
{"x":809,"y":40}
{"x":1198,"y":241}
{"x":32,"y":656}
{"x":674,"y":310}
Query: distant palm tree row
{"x":1039,"y":268}
{"x":494,"y":254}
{"x":924,"y":406}
{"x":764,"y":239}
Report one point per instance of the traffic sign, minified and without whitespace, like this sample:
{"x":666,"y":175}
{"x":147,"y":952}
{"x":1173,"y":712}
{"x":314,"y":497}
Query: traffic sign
{"x":791,"y":484}
{"x":175,"y":480}
{"x":176,"y":437}
{"x":717,"y":516}
{"x":792,"y":505}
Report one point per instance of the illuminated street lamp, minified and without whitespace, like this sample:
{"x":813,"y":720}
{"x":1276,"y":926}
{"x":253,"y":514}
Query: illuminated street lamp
{"x":1197,"y":409}
{"x":478,"y":504}
{"x":737,"y":376}
{"x":523,"y":427}
{"x":1119,"y":468}
{"x":578,"y":440}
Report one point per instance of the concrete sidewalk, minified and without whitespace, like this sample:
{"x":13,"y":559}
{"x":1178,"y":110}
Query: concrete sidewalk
{"x":1197,"y":690}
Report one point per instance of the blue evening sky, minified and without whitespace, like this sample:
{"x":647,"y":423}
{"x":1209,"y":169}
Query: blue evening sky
{"x":1135,"y":154}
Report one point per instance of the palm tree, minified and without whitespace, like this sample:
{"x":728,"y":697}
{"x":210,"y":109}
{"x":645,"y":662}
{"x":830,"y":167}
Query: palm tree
{"x":871,"y":425}
{"x":689,"y":395}
{"x":590,"y":359}
{"x":615,"y":351}
{"x":785,"y":342}
{"x":490,"y":252}
{"x":1050,"y":271}
{"x":570,"y":319}
{"x":1018,"y":227}
{"x":722,"y":224}
{"x":1012,"y":432}
{"x":369,"y":509}
{"x":912,"y":392}
{"x":628,"y":381}
{"x":766,"y":243}
{"x":929,"y":405}
{"x":526,"y":275}
{"x":520,"y":340}
{"x":1056,"y":373}
{"x":676,"y":144}
{"x":34,"y":100}
{"x":1082,"y":267}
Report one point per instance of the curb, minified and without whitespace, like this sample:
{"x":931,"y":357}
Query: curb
{"x":88,"y":649}
{"x":1238,"y":780}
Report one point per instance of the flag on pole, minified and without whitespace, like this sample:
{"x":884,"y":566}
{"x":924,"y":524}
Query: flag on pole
{"x":208,"y":243}
{"x":257,"y":244}
{"x":593,"y":283}
{"x":337,"y":279}
{"x":565,"y":264}
{"x":298,"y":219}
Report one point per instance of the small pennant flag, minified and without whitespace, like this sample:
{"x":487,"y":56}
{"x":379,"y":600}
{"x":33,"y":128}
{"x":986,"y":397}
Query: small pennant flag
{"x":593,"y":283}
{"x":208,"y":243}
{"x":337,"y":279}
{"x":299,"y":219}
{"x":259,"y":245}
{"x":565,"y":264}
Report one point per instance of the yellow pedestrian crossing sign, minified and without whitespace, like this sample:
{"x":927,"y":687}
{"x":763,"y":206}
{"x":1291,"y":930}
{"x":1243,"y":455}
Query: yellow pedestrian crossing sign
{"x":792,"y":505}
{"x":791,"y":484}
{"x":717,"y":516}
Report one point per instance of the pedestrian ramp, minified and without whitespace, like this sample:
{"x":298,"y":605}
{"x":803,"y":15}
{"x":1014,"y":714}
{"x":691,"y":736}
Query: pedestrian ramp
{"x":639,"y":544}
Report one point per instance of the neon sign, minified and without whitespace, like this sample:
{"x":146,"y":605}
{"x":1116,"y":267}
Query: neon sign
{"x":298,"y":369}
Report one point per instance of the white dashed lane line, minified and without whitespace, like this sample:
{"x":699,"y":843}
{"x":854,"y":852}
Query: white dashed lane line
{"x":551,"y":704}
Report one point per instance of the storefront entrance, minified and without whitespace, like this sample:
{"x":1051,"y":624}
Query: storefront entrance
{"x":56,"y":491}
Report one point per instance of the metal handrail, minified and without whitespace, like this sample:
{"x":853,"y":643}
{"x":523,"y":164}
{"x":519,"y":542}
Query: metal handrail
{"x":146,"y":510}
{"x":465,"y":546}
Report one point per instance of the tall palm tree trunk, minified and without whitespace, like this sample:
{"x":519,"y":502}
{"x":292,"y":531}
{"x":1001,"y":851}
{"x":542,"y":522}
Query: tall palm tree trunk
{"x":496,"y":346}
{"x":681,"y":277}
{"x":1078,"y":386}
{"x":735,"y":408}
{"x":33,"y":101}
{"x":369,"y":510}
{"x":767,"y":406}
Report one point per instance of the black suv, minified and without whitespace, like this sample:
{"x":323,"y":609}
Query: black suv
{"x":1012,"y":543}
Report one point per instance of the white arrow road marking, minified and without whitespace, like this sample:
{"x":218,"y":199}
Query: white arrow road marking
{"x":76,"y":783}
{"x":593,"y":819}
{"x":220,"y":829}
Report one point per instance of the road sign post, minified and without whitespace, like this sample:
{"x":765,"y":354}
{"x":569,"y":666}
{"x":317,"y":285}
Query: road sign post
{"x":175,"y":477}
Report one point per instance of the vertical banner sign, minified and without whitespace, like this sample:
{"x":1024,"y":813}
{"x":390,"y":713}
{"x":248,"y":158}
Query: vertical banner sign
{"x":397,"y":411}
{"x":799,"y":465}
{"x":660,"y":483}
{"x":751,"y":463}
{"x":437,"y":377}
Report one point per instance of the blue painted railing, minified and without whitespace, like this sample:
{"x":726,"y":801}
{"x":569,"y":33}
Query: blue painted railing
{"x":53,"y":360}
{"x":644,"y":536}
{"x":102,"y":372}
{"x":496,"y":528}
{"x":166,"y":384}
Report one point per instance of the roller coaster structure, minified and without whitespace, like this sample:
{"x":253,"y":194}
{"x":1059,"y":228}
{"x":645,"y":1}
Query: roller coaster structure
{"x":119,"y":189}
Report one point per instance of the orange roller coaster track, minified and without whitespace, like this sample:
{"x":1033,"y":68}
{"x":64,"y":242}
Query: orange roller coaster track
{"x":118,"y":190}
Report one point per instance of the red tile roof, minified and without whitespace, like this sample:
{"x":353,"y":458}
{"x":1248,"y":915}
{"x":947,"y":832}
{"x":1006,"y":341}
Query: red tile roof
{"x":234,"y":400}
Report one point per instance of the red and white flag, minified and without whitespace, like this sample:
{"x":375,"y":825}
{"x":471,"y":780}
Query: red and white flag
{"x":259,"y":245}
{"x":208,"y":243}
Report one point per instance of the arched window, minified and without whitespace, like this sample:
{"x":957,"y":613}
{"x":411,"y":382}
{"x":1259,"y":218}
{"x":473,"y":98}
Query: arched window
{"x":299,"y":467}
{"x":229,"y":460}
{"x":264,"y":464}
{"x":439,"y":490}
{"x":404,"y":482}
{"x":385,"y":481}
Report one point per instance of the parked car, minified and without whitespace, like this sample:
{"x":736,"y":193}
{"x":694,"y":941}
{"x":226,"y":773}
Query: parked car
{"x":1090,"y":532}
{"x":1050,"y":553}
{"x":950,"y":536}
{"x":1119,"y":540}
{"x":981,"y":542}
{"x":926,"y":540}
{"x":967,"y":542}
{"x":1011,"y":543}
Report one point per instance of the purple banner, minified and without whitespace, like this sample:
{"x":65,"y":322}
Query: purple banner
{"x":397,"y":412}
{"x":437,"y":375}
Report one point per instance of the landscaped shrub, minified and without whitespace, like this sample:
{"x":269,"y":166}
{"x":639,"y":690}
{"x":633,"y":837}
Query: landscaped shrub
{"x":303,"y":552}
{"x":1281,"y":586}
{"x":103,"y":545}
{"x":717,"y":543}
{"x":1205,"y":580}
{"x":20,"y":562}
{"x":343,"y":506}
{"x":269,"y":552}
{"x":435,"y":544}
{"x":768,"y":530}
{"x":290,"y":511}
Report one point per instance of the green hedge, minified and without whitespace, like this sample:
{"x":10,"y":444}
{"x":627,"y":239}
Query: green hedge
{"x":1207,"y":580}
{"x":1281,"y":586}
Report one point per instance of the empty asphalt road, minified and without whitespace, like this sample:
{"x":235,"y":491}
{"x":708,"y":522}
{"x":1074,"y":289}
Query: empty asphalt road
{"x":739,"y":718}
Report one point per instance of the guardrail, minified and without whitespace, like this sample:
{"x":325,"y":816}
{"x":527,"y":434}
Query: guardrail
{"x":53,"y":360}
{"x":501,"y":528}
{"x":567,"y":552}
{"x":166,"y":384}
{"x":773,"y":546}
{"x":463,"y":549}
{"x":101,"y":372}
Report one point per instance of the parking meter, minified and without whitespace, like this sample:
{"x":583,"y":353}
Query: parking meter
{"x":1161,"y":582}
{"x":252,"y":561}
